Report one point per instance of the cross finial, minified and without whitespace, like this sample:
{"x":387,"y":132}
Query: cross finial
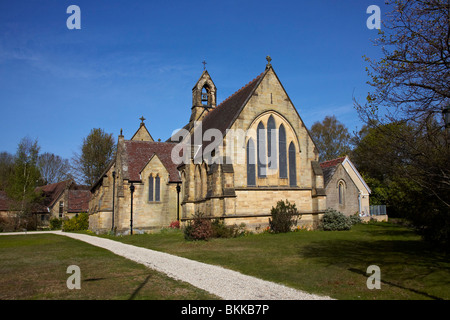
{"x":204,"y":64}
{"x":268,"y":58}
{"x":142,"y":120}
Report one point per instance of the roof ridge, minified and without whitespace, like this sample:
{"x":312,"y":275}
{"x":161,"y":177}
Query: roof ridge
{"x":242,"y":88}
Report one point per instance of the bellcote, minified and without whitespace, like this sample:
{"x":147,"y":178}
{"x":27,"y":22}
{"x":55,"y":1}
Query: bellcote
{"x":204,"y":96}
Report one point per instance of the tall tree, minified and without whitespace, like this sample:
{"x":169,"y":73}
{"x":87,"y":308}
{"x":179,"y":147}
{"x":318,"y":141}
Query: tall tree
{"x":6,"y":169}
{"x":411,"y":86}
{"x":331,"y":138}
{"x":24,"y":180}
{"x":97,"y":151}
{"x":53,"y":168}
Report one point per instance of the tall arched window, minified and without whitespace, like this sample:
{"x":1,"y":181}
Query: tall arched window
{"x":292,"y":166}
{"x":261,"y":146}
{"x":251,"y":163}
{"x":157,"y":189}
{"x":271,"y":143}
{"x":282,"y":152}
{"x":341,"y":189}
{"x":150,"y":189}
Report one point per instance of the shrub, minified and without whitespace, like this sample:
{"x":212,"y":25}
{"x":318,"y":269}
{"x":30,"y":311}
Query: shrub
{"x":199,"y":228}
{"x":335,"y":221}
{"x":77,"y":223}
{"x":221,"y":230}
{"x":355,"y":219}
{"x":55,"y":223}
{"x":284,"y":217}
{"x":174,"y":225}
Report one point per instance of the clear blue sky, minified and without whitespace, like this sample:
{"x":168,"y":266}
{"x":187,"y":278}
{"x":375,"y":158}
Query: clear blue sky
{"x":142,"y":58}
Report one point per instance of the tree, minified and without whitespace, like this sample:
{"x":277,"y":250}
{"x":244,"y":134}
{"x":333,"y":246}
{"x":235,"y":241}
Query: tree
{"x":23,"y":181}
{"x":97,"y":151}
{"x":53,"y":168}
{"x":6,"y":169}
{"x":331,"y":138}
{"x":411,"y":86}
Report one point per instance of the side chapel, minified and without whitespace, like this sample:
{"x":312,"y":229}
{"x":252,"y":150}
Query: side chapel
{"x":239,"y":180}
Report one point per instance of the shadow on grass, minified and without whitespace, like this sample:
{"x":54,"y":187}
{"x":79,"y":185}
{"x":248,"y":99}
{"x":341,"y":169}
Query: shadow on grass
{"x":397,"y":285}
{"x":406,"y":261}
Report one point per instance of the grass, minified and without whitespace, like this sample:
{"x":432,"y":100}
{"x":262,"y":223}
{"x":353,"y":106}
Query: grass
{"x":33,"y":267}
{"x":332,"y":263}
{"x":322,"y":262}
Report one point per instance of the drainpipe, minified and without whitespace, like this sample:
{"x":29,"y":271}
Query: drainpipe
{"x":113,"y":197}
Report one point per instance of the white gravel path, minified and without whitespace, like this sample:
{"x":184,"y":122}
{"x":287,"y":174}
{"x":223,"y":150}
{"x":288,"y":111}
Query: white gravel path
{"x":224,"y":283}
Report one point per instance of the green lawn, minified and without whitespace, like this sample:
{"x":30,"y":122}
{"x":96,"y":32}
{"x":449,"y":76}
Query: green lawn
{"x":34,"y":267}
{"x":324,"y":262}
{"x":327,"y":263}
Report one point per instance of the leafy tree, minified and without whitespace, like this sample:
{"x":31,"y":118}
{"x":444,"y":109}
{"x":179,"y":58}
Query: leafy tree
{"x":331,"y":138}
{"x":53,"y":168}
{"x":23,"y":181}
{"x":410,"y":88}
{"x":97,"y":151}
{"x":6,"y":169}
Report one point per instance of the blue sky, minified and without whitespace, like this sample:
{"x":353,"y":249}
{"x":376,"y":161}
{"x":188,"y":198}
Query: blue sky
{"x":142,"y":58}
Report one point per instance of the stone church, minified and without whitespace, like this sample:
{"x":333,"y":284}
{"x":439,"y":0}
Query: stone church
{"x":232,"y":160}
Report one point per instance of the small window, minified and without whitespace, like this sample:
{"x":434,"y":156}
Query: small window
{"x":154,"y":188}
{"x":61,"y":209}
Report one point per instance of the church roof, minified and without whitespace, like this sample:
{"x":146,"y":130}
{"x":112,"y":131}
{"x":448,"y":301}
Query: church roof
{"x":140,"y":152}
{"x":223,"y":116}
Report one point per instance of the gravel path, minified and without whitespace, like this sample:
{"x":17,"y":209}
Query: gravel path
{"x":224,"y":283}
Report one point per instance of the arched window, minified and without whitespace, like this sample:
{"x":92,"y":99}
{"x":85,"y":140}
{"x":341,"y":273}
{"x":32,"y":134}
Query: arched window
{"x":198,"y":182}
{"x":271,"y":143}
{"x":292,"y":166}
{"x":251,"y":163}
{"x":150,"y":188}
{"x":341,"y":189}
{"x":157,"y":189}
{"x":282,"y":152}
{"x":261,"y":146}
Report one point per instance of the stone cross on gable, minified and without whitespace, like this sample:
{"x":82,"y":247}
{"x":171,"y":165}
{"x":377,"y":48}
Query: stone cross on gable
{"x":268,"y":58}
{"x":204,"y":65}
{"x":142,"y":120}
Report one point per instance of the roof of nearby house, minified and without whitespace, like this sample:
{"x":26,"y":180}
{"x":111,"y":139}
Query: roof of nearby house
{"x":329,"y":168}
{"x":140,"y":152}
{"x":51,"y":192}
{"x":78,"y":200}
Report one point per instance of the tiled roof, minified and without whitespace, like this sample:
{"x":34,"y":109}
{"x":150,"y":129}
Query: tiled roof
{"x":78,"y":200}
{"x":332,"y":163}
{"x":51,"y":192}
{"x":140,"y":152}
{"x":329,"y":167}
